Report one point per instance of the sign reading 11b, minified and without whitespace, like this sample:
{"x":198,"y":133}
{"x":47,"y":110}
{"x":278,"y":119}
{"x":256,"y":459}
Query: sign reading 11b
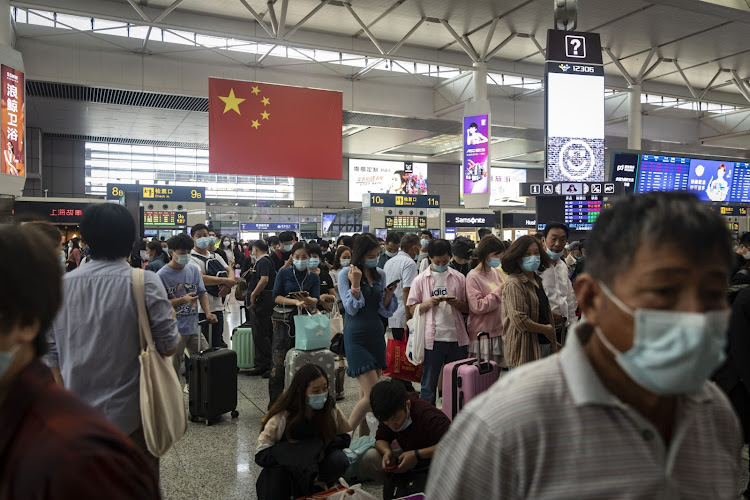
{"x":574,"y":125}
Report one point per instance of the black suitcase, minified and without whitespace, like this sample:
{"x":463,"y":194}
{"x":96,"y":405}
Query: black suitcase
{"x":213,"y":384}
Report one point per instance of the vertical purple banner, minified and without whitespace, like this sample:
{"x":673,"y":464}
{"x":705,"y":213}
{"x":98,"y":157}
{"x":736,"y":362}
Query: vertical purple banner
{"x":476,"y":154}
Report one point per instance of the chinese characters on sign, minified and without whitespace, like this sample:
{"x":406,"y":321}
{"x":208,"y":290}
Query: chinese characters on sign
{"x":12,"y":121}
{"x":405,"y":222}
{"x":164,"y":218}
{"x":391,"y":177}
{"x":476,"y":154}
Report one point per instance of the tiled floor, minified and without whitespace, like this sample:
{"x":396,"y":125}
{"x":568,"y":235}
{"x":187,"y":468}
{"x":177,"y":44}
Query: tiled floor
{"x":216,"y":462}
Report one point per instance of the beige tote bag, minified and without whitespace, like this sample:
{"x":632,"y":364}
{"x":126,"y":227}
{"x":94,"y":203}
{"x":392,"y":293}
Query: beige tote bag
{"x":163,"y":410}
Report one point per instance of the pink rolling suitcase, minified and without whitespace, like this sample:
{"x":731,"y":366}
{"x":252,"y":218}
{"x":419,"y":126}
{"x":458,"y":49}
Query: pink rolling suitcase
{"x":463,"y":380}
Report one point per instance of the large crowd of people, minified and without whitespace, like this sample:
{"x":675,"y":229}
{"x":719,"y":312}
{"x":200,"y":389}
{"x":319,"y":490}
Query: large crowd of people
{"x":604,"y":392}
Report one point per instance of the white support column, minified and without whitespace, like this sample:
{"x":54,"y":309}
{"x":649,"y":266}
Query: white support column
{"x":480,"y":81}
{"x":635,"y":119}
{"x":6,"y":35}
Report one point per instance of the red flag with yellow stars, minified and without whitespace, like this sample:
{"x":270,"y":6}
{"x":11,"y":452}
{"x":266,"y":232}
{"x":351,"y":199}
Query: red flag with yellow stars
{"x":262,"y":129}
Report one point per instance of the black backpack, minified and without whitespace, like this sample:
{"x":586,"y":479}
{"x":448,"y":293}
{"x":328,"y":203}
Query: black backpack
{"x":213,"y":268}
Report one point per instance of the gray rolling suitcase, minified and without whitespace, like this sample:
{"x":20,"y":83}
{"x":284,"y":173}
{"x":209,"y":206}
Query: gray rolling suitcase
{"x":322,"y":357}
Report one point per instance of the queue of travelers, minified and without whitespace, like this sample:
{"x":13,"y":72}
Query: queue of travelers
{"x":605,"y":389}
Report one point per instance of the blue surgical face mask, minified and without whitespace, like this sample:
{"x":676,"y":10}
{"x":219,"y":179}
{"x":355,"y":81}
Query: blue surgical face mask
{"x":554,"y":255}
{"x":288,"y":248}
{"x":345,"y":262}
{"x":391,"y":254}
{"x":440,"y":269}
{"x":227,"y":243}
{"x":424,"y":243}
{"x":317,"y":401}
{"x":674,"y":352}
{"x":371,"y":263}
{"x":494,"y":262}
{"x":212,"y":240}
{"x":6,"y":359}
{"x":165,"y":250}
{"x":62,"y":259}
{"x":183,"y":260}
{"x":531,"y":264}
{"x":203,"y":242}
{"x":301,"y":265}
{"x":313,"y":262}
{"x":406,"y":425}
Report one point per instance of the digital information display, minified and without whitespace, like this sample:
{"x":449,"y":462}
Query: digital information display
{"x":476,"y":165}
{"x":663,"y":173}
{"x":328,"y":219}
{"x":405,"y":222}
{"x":55,"y":212}
{"x":625,"y":169}
{"x":13,"y":121}
{"x":574,"y":89}
{"x":505,"y":187}
{"x":164,"y":218}
{"x":579,"y":213}
{"x":391,"y":177}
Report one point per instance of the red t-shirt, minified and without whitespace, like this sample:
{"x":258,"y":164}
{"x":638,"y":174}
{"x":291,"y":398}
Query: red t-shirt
{"x":427,"y":429}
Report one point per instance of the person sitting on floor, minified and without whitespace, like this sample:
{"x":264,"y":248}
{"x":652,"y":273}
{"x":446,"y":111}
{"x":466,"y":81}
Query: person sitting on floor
{"x":415,"y":424}
{"x":301,"y":439}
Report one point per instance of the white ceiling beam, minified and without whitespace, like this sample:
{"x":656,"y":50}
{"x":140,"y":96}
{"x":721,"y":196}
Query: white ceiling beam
{"x":469,"y":50}
{"x":685,"y":78}
{"x":488,"y":39}
{"x":708,"y":87}
{"x":138,"y":9}
{"x":381,"y":16}
{"x":740,"y":84}
{"x":257,"y":17}
{"x":724,"y":137}
{"x":538,"y":46}
{"x":305,"y":19}
{"x":499,"y":46}
{"x":407,"y":36}
{"x":168,"y":10}
{"x":282,"y":20}
{"x":266,"y":54}
{"x":359,"y":74}
{"x":364,"y":28}
{"x":644,"y":66}
{"x":651,"y":69}
{"x":272,"y":14}
{"x":145,"y":40}
{"x":620,"y":67}
{"x":447,"y":82}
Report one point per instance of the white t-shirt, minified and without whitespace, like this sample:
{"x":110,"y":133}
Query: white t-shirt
{"x":216,"y":303}
{"x":445,"y":325}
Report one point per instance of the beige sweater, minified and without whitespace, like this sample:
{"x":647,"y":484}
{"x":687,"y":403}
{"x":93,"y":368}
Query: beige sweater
{"x":274,"y":429}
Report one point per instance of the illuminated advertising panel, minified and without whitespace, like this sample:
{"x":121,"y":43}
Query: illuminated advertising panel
{"x":390,"y":177}
{"x":476,"y":166}
{"x":13,"y":122}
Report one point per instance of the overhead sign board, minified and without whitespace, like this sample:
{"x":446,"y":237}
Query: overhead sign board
{"x":518,"y":220}
{"x":405,"y":222}
{"x":269,"y":226}
{"x":164,"y":218}
{"x":574,"y":90}
{"x":398,"y":200}
{"x":157,"y":193}
{"x":56,"y":212}
{"x":573,"y":188}
{"x":469,"y":220}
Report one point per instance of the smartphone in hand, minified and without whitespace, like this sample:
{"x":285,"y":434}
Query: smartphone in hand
{"x":392,"y":285}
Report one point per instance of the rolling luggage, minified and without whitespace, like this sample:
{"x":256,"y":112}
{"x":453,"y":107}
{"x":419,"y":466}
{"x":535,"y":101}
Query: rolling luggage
{"x":213,"y":384}
{"x":340,"y":365}
{"x":322,"y":357}
{"x":243,"y":343}
{"x":463,"y":380}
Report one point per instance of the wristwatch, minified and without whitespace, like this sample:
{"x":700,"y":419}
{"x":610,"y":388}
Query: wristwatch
{"x":416,"y":454}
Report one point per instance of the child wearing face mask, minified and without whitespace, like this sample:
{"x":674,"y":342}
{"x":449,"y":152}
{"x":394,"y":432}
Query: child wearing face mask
{"x":301,"y":439}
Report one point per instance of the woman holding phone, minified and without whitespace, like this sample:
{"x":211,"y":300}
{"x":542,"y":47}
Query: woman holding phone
{"x":366,"y":298}
{"x":295,"y":287}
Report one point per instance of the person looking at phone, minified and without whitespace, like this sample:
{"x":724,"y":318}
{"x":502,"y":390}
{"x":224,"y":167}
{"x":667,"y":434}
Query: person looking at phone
{"x":366,"y":298}
{"x":440,"y":292}
{"x":316,"y":265}
{"x":295,"y":288}
{"x":416,"y":425}
{"x":184,"y":285}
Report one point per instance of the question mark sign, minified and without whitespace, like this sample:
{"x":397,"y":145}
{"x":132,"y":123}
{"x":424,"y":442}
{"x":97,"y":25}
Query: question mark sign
{"x":576,"y":43}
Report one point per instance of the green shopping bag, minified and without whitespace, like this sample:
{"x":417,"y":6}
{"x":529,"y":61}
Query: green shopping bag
{"x":312,"y":331}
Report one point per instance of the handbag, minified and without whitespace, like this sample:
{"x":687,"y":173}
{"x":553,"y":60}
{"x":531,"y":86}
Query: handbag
{"x":312,"y":331}
{"x":337,"y":331}
{"x":163,"y":412}
{"x":240,"y":293}
{"x":415,"y":346}
{"x":399,"y":367}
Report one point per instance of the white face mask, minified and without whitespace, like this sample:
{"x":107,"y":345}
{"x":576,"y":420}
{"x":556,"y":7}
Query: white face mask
{"x":674,"y":352}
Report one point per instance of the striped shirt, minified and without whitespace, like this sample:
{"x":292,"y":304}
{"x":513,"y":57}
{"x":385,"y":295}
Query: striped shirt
{"x":551,"y":430}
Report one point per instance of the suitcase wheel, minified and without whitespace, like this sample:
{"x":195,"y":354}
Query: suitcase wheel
{"x":208,"y":422}
{"x":235,"y":414}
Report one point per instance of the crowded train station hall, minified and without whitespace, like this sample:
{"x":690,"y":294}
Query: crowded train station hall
{"x":374,"y":249}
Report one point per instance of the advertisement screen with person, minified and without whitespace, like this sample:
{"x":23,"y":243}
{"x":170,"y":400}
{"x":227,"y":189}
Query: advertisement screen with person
{"x":389,"y":177}
{"x":710,"y":180}
{"x":12,"y":121}
{"x":476,"y":154}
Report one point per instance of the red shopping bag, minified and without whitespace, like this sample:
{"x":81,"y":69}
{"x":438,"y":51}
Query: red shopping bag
{"x":398,"y":366}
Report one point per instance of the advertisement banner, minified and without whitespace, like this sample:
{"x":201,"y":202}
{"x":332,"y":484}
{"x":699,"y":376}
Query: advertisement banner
{"x":504,"y":187}
{"x":476,"y":154}
{"x":12,"y":121}
{"x":389,"y":177}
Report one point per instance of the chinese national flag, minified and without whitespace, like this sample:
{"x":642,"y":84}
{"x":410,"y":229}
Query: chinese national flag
{"x":276,"y":130}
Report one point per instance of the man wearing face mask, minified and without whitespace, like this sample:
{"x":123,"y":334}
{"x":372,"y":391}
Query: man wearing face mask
{"x":556,"y":281}
{"x":629,"y":395}
{"x":200,"y":256}
{"x":440,"y":292}
{"x":425,"y":238}
{"x":281,"y":257}
{"x":260,"y":303}
{"x":392,"y":243}
{"x":414,"y":424}
{"x":742,"y":254}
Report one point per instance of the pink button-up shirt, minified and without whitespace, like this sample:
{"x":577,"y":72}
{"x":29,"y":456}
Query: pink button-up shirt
{"x":421,"y":290}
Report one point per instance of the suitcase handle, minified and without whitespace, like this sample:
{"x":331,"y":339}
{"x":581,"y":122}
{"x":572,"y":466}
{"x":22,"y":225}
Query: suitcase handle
{"x":484,"y":366}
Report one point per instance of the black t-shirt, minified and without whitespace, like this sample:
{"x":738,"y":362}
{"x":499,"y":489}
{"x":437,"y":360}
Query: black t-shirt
{"x":263,"y":267}
{"x":544,"y":318}
{"x":278,"y":263}
{"x":461,"y":268}
{"x":326,"y":282}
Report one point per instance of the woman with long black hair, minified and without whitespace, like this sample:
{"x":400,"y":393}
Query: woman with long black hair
{"x":301,"y":439}
{"x":366,"y":298}
{"x":156,"y":256}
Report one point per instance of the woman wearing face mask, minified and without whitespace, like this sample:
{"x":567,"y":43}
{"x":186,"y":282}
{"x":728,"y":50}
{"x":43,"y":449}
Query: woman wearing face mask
{"x":156,"y":256}
{"x":314,"y":264}
{"x":527,"y":317}
{"x":239,"y":255}
{"x":295,"y":287}
{"x":74,"y":254}
{"x":363,"y":290}
{"x":342,"y":259}
{"x":484,"y":290}
{"x":301,"y":439}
